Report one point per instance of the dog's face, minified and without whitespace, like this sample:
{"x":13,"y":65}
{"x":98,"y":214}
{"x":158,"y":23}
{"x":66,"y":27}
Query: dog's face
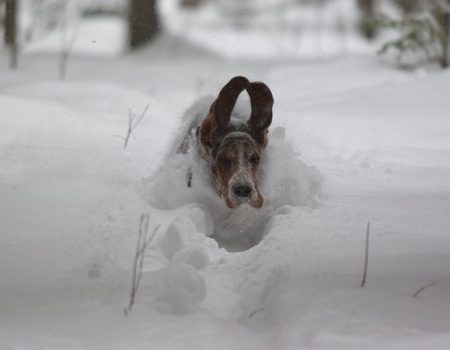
{"x":233,"y":149}
{"x":235,"y":170}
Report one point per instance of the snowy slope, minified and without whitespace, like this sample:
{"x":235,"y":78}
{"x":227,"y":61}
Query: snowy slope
{"x":72,"y":197}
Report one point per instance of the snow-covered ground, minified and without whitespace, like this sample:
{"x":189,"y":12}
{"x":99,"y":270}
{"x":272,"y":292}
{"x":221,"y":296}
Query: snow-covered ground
{"x":352,"y":141}
{"x":269,"y":29}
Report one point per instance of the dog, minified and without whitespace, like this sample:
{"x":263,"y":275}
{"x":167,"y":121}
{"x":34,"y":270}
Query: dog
{"x":231,"y":146}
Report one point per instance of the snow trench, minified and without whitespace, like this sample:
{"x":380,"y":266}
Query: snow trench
{"x":197,"y":229}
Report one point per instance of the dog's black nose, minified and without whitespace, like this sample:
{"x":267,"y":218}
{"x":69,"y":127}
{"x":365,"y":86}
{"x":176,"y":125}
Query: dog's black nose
{"x":242,"y":190}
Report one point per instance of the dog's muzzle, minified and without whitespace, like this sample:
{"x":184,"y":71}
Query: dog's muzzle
{"x":242,"y":190}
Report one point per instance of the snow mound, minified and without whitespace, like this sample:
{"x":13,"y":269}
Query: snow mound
{"x":197,"y":229}
{"x":285,"y":180}
{"x":176,"y":289}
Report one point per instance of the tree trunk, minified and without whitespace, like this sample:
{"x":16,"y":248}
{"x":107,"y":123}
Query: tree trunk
{"x":409,"y":6}
{"x":445,"y":25}
{"x":367,"y":26}
{"x":191,"y":3}
{"x":11,"y":31}
{"x":143,"y":22}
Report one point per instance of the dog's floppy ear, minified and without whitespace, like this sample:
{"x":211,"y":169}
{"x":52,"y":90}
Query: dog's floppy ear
{"x":261,"y":101}
{"x":223,"y":106}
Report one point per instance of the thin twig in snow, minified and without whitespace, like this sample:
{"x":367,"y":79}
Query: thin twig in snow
{"x":135,"y":264}
{"x":132,"y":124}
{"x":66,"y":45}
{"x":138,"y":261}
{"x":253,"y":313}
{"x":366,"y":257}
{"x":146,"y":243}
{"x":421,"y":289}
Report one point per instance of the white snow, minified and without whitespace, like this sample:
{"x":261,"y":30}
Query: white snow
{"x":270,"y":29}
{"x":352,"y":141}
{"x":92,"y":37}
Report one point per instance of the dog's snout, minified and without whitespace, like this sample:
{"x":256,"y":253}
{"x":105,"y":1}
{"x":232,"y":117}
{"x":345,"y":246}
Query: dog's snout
{"x":242,"y":190}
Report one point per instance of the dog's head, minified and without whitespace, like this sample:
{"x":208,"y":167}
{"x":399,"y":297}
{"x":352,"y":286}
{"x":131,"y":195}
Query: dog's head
{"x":233,"y":148}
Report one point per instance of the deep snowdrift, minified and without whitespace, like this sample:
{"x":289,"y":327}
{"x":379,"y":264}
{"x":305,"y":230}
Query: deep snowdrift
{"x":72,"y":197}
{"x":285,"y":180}
{"x":199,"y":221}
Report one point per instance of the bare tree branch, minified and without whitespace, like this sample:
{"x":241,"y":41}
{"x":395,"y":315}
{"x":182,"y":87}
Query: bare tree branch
{"x":421,"y":289}
{"x":143,"y":241}
{"x":253,"y":313}
{"x":142,"y":116}
{"x":135,"y":264}
{"x":366,"y":256}
{"x":67,"y":43}
{"x":132,"y":123}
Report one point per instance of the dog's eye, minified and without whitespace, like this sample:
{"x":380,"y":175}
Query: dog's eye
{"x":254,"y":159}
{"x":225,"y":160}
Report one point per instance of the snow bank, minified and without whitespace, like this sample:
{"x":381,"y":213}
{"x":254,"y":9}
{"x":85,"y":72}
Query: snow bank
{"x":197,"y":224}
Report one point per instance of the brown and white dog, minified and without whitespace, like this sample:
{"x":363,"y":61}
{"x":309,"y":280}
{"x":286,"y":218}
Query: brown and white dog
{"x":232,"y":147}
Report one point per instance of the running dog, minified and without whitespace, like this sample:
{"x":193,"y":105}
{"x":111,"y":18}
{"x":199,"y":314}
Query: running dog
{"x":231,"y":146}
